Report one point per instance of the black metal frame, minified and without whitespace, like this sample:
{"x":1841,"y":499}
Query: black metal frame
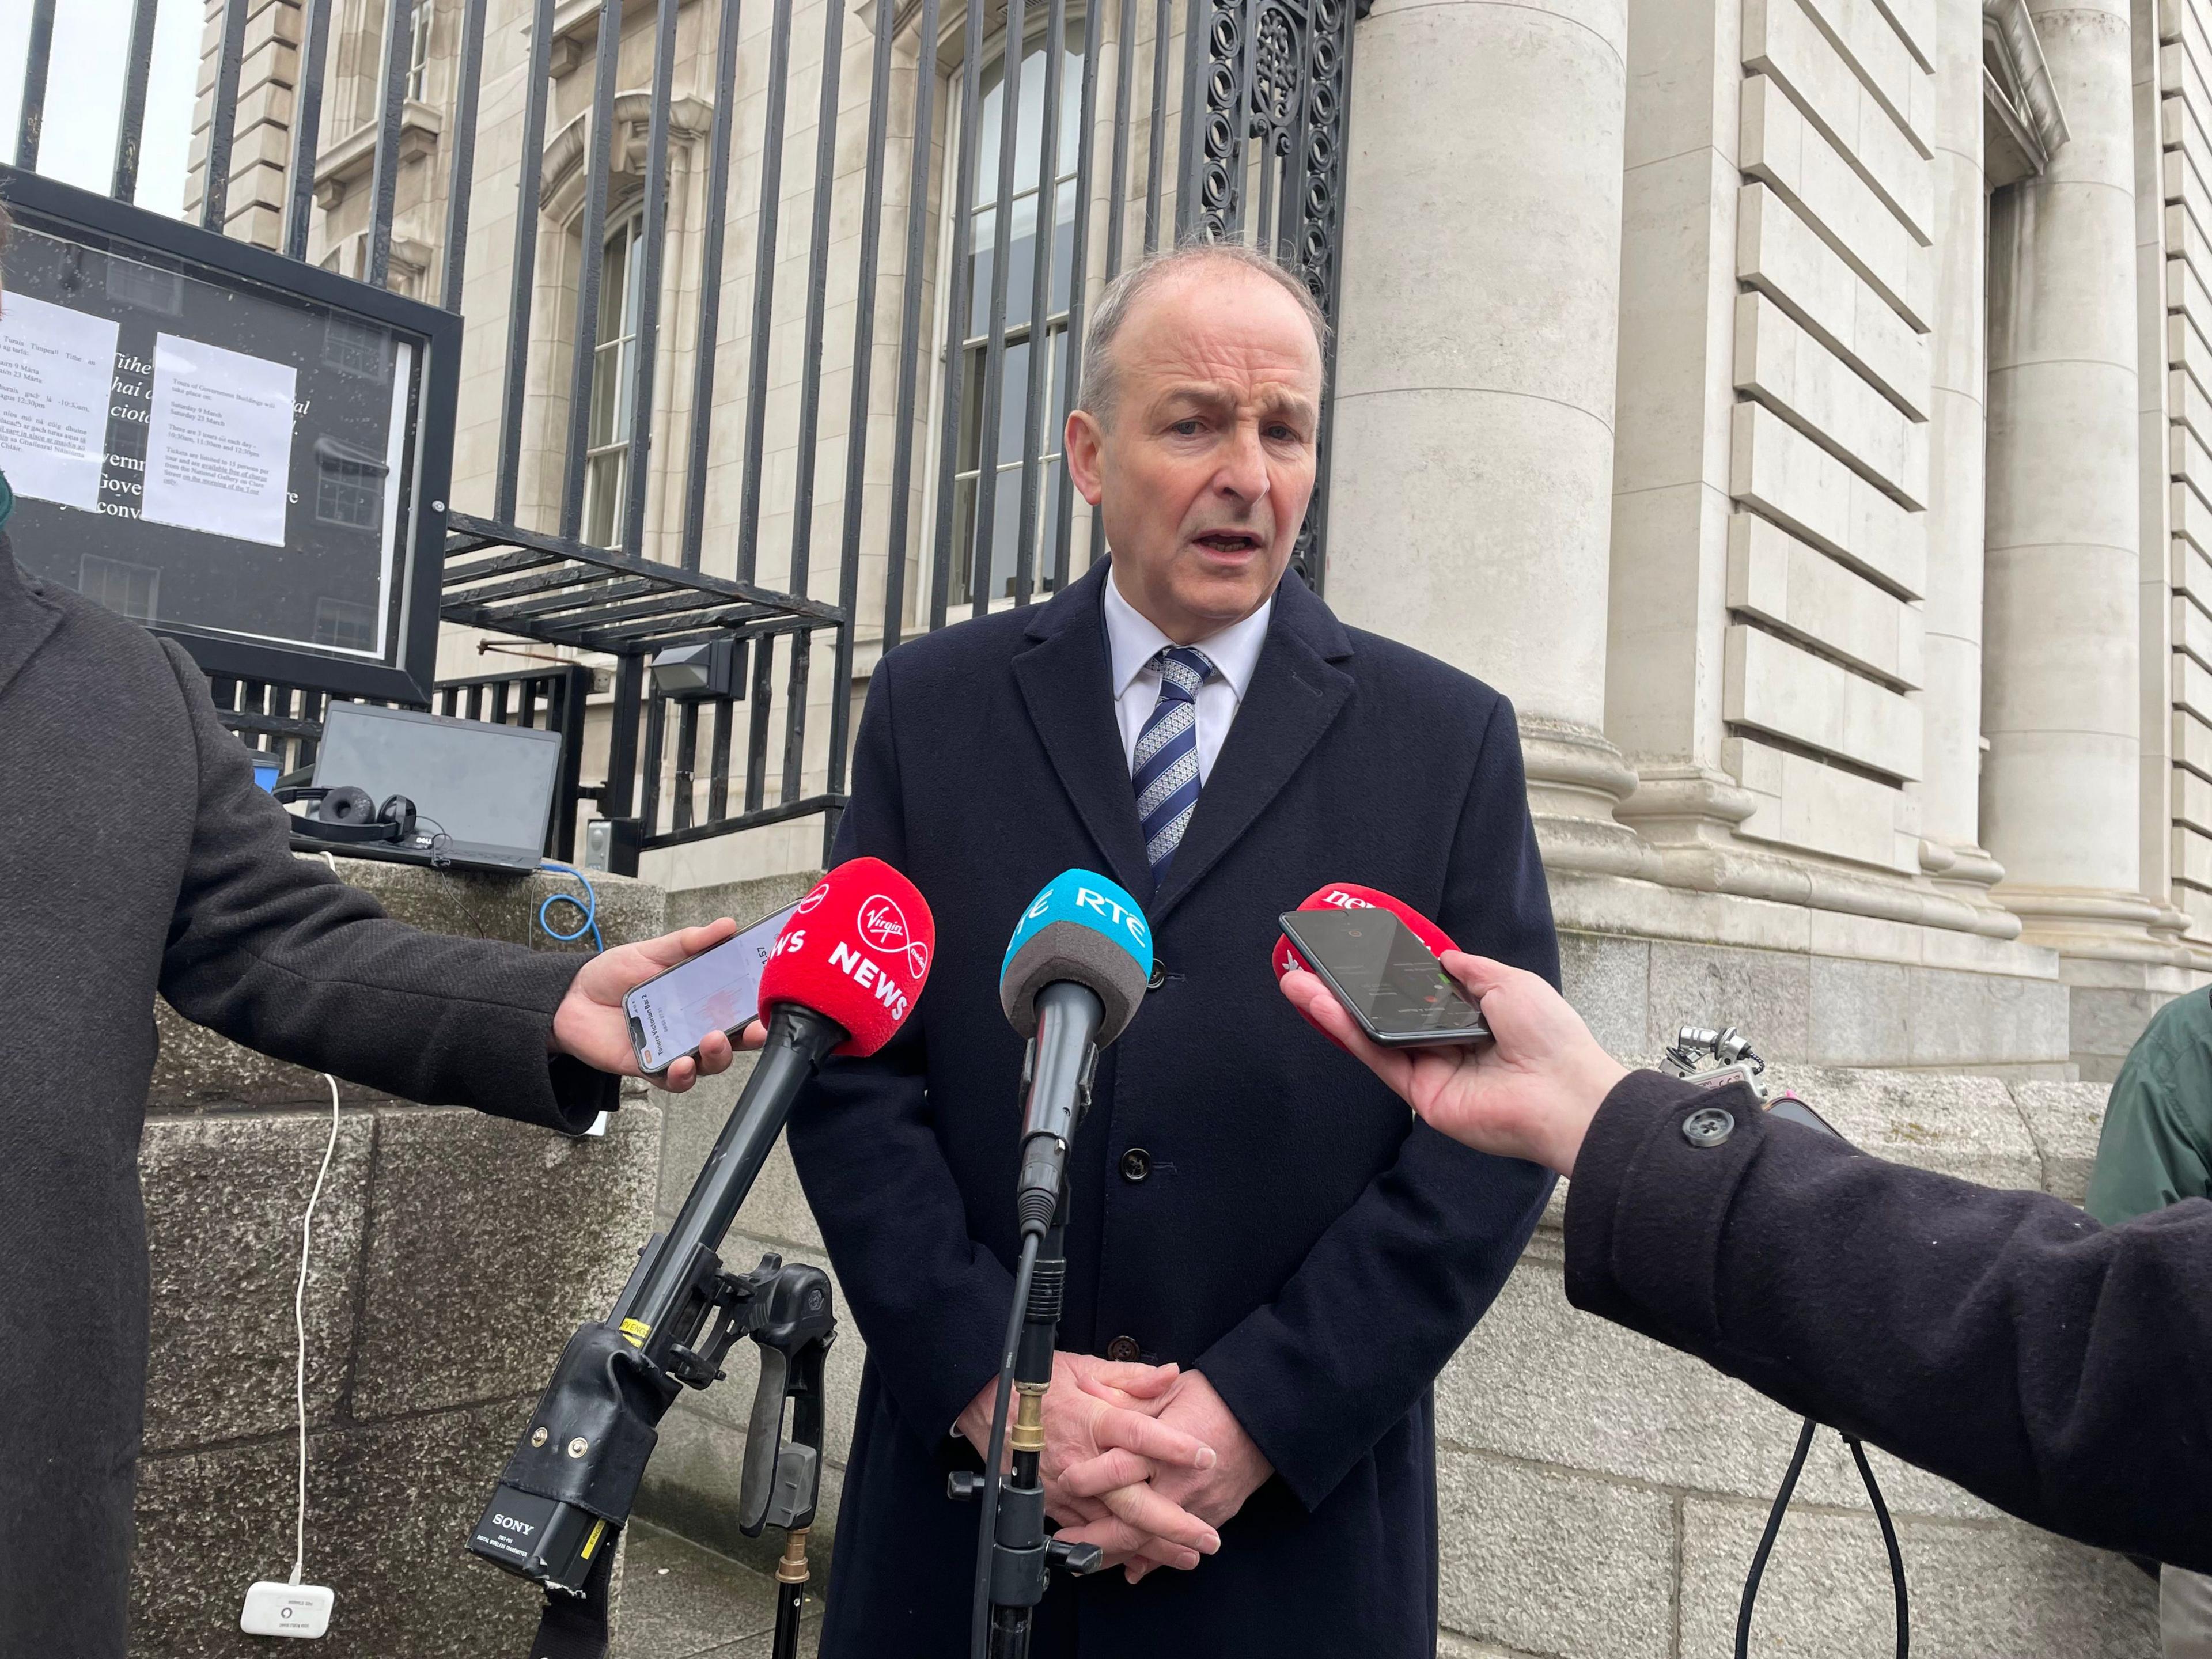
{"x":409,"y":676}
{"x":1274,"y":72}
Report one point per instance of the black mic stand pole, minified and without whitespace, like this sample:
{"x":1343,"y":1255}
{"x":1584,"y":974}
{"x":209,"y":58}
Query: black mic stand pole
{"x":1021,"y":1554}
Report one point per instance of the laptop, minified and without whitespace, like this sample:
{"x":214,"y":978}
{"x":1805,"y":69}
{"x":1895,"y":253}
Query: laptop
{"x":489,"y":787}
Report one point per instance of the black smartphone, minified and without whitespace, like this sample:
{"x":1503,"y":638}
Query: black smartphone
{"x":718,"y":990}
{"x":1385,"y":978}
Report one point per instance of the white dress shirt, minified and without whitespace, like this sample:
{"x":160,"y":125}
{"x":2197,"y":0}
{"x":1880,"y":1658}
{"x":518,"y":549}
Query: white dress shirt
{"x":1133,"y":642}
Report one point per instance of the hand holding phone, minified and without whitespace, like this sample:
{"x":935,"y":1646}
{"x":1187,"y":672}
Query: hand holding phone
{"x":672,"y":1013}
{"x":1387,"y":979}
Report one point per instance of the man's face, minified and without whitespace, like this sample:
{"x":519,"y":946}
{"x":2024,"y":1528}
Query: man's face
{"x":1204,"y":465}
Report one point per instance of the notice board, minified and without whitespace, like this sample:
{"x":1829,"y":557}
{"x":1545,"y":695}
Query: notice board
{"x":240,"y":451}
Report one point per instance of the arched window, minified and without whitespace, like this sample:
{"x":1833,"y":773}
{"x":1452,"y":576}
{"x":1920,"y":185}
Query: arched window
{"x":1028,"y":209}
{"x":614,"y":384}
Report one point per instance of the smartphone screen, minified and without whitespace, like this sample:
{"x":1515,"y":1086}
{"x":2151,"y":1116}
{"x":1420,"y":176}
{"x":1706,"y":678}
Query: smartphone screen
{"x":718,"y":990}
{"x":1381,"y":971}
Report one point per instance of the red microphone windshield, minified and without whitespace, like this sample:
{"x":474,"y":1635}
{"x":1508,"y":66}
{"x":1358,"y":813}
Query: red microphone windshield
{"x":857,"y":948}
{"x":1350,"y":896}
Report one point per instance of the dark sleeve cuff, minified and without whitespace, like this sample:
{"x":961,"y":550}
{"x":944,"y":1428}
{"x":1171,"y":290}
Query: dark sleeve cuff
{"x":520,"y":1077}
{"x":1647,"y":1206}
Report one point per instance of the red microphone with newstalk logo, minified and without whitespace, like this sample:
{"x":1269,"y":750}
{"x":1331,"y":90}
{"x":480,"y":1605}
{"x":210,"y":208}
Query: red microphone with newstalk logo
{"x":846,"y":972}
{"x":1350,"y":896}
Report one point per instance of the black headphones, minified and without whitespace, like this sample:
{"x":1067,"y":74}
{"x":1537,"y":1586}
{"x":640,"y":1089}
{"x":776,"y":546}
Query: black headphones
{"x":346,"y":814}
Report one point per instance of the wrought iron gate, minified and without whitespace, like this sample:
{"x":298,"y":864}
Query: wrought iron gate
{"x":699,"y":364}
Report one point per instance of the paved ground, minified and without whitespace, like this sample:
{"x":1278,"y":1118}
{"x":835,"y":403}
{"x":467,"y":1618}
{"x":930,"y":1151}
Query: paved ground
{"x":679,"y":1602}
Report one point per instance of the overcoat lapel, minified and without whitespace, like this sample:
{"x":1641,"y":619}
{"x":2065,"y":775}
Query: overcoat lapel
{"x":1296,"y":694}
{"x":1068,"y":685}
{"x":24,"y":618}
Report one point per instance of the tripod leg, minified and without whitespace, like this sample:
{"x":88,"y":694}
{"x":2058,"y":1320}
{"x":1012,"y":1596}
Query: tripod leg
{"x":791,"y":1575}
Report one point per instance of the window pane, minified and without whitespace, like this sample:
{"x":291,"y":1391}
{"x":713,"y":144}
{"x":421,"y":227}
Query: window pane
{"x":1063,"y":246}
{"x":614,"y":283}
{"x":1014,"y":382}
{"x":1030,"y":119}
{"x":1021,"y":261}
{"x":971,"y":407}
{"x":963,"y":533}
{"x":1006,"y":532}
{"x":987,"y":119}
{"x":603,"y":494}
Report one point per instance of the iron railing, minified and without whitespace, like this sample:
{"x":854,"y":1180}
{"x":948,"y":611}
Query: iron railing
{"x":710,"y":488}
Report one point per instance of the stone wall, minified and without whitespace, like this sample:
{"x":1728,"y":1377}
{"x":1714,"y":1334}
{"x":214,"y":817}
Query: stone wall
{"x":1601,"y":1495}
{"x":453,"y":1254}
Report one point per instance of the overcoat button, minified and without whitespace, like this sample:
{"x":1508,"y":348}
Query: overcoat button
{"x":1123,"y":1350}
{"x":1136,"y":1163}
{"x":1159,"y":976}
{"x":1708,"y":1126}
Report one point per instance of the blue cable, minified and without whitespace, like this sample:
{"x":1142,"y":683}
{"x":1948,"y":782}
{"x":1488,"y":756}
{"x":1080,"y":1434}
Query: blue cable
{"x":589,"y":904}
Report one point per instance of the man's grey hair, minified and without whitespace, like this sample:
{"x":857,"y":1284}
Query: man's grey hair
{"x":1100,"y":381}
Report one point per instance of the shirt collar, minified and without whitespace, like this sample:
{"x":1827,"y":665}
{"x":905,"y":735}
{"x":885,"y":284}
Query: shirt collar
{"x":1132,"y":641}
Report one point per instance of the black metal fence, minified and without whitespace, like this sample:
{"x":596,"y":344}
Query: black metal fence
{"x":709,"y":364}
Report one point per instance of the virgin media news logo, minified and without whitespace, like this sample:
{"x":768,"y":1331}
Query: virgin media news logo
{"x":811,"y":900}
{"x":883,"y":930}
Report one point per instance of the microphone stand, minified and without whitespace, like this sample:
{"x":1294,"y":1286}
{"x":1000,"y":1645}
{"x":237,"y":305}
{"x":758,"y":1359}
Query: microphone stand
{"x":1021,"y":1553}
{"x":1021,"y":1556}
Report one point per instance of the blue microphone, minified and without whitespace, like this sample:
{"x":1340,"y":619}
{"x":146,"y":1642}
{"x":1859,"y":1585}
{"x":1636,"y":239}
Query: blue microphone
{"x":1073,"y":977}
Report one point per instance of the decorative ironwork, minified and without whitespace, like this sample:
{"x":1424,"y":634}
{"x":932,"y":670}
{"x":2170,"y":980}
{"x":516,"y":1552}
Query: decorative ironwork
{"x":1269,"y":100}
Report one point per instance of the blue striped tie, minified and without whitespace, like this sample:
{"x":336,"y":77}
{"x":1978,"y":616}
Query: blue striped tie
{"x":1166,"y":774}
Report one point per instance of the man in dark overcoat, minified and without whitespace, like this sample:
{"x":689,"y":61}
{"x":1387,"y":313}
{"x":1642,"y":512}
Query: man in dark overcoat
{"x":136,"y":857}
{"x":1246,"y":1205}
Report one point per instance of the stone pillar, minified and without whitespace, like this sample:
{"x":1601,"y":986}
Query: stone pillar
{"x":1474,"y":374}
{"x":1949,"y":790}
{"x":260,"y":154}
{"x":2061,"y":674}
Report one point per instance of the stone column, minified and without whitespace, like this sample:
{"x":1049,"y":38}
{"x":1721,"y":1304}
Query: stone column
{"x":1474,"y":374}
{"x":2060,"y":677}
{"x":1950,"y":785}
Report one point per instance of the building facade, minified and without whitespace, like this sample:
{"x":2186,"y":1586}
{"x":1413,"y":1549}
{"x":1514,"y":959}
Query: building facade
{"x":1801,"y":408}
{"x":1793,"y":405}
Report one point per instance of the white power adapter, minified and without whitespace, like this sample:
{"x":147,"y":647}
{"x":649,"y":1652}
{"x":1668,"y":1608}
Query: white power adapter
{"x":279,"y":1609}
{"x":274,"y":1608}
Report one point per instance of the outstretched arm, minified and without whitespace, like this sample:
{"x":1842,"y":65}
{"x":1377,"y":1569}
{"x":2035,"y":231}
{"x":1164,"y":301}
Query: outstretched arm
{"x":2003,"y":1340}
{"x":276,"y":953}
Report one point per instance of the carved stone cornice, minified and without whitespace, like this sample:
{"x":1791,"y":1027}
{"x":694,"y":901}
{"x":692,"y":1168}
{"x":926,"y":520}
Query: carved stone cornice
{"x":561,"y":196}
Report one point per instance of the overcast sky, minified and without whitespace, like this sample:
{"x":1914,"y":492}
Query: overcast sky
{"x":84,"y":93}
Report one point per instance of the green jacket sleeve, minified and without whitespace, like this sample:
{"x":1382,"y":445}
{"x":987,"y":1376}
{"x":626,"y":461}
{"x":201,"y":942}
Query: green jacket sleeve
{"x":2156,"y":1148}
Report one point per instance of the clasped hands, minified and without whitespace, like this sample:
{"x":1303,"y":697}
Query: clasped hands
{"x":1145,"y":1462}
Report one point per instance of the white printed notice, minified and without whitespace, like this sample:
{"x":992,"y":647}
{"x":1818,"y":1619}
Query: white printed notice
{"x":218,"y":442}
{"x":55,"y":367}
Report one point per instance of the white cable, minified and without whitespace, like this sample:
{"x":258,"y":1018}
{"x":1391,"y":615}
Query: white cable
{"x":300,"y":1324}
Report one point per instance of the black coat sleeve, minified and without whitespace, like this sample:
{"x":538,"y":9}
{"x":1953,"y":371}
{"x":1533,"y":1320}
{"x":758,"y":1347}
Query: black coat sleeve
{"x":2003,"y":1340}
{"x":1386,"y":1296}
{"x":276,"y":953}
{"x":931,"y":1301}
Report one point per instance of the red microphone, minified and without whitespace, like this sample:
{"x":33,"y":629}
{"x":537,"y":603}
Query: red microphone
{"x":856,"y":951}
{"x":1350,"y":896}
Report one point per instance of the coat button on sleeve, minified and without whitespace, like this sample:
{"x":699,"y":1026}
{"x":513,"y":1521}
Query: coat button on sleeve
{"x":1123,"y":1350}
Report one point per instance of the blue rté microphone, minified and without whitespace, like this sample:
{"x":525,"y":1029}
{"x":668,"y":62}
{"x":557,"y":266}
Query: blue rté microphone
{"x":1073,"y":977}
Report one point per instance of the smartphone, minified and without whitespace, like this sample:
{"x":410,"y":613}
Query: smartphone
{"x":718,"y":990}
{"x":1385,"y":978}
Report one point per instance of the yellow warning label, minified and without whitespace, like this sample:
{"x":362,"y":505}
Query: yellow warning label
{"x":635,"y":1331}
{"x":593,"y":1542}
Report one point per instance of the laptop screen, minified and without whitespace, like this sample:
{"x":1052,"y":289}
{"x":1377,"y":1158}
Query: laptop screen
{"x":486,"y":784}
